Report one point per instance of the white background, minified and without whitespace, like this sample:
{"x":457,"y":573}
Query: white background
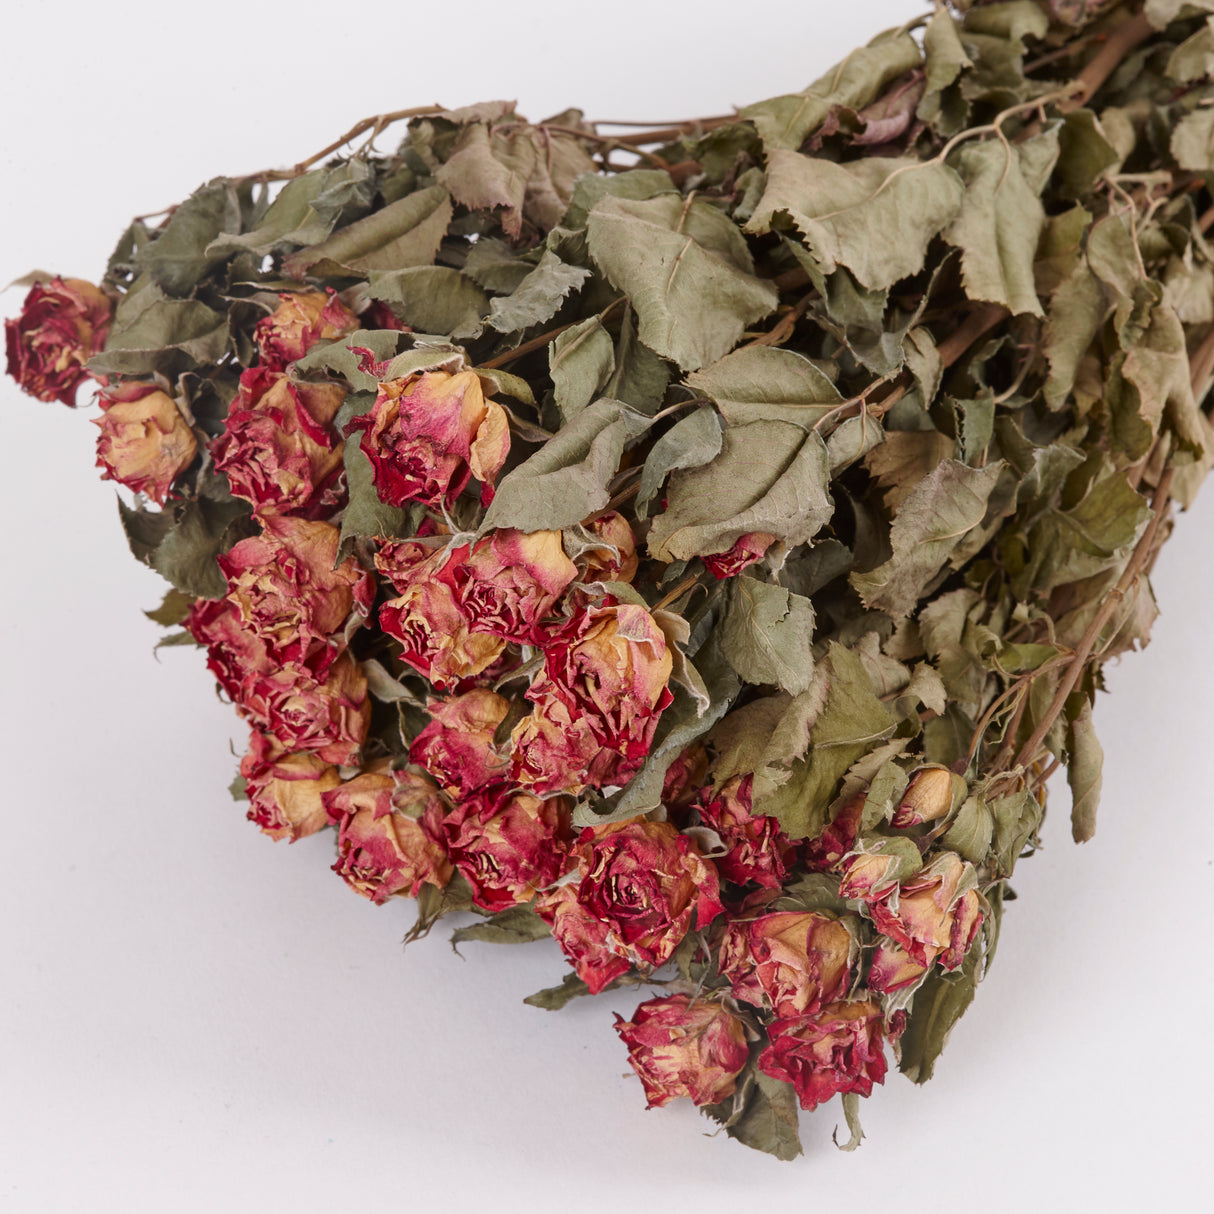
{"x":193,"y":1018}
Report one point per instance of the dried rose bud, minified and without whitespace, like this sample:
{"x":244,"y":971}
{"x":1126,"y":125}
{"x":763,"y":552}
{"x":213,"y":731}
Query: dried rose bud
{"x":145,"y":443}
{"x":837,"y":1049}
{"x":617,"y":560}
{"x":428,"y":434}
{"x":646,"y":881}
{"x":746,"y":551}
{"x":685,"y":778}
{"x":789,"y":962}
{"x":457,"y":746}
{"x":582,"y":937}
{"x":289,"y":594}
{"x":893,"y":968}
{"x":684,"y":1047}
{"x":826,"y":850}
{"x":278,"y":448}
{"x":286,"y":791}
{"x":758,"y":849}
{"x":869,"y":876}
{"x":61,"y":326}
{"x":936,"y":914}
{"x":508,"y":844}
{"x":382,"y":852}
{"x":598,"y":699}
{"x":928,"y":797}
{"x":300,"y":321}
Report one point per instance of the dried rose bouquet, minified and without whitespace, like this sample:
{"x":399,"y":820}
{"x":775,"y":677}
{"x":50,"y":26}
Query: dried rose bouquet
{"x":700,"y":545}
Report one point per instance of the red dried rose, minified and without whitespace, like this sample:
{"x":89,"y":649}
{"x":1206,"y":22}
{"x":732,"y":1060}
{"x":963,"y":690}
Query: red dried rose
{"x":684,"y":1047}
{"x":145,"y":443}
{"x":582,"y":937}
{"x":285,"y":791}
{"x":790,"y":962}
{"x":746,"y":551}
{"x":645,"y":881}
{"x":382,"y":850}
{"x":457,"y":746}
{"x":685,"y":777}
{"x":278,"y":448}
{"x":836,"y":1049}
{"x":61,"y":326}
{"x":429,"y":433}
{"x":826,"y":850}
{"x":328,"y":716}
{"x":291,"y":597}
{"x":429,"y":620}
{"x":508,"y":844}
{"x":936,"y":913}
{"x":597,"y":701}
{"x":758,"y":849}
{"x":301,"y":320}
{"x":510,"y":581}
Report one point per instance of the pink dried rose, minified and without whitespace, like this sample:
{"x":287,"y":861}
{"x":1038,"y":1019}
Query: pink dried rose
{"x":429,"y":620}
{"x":508,"y":844}
{"x":597,"y":701}
{"x":279,"y":450}
{"x":928,"y":797}
{"x":839,"y":1048}
{"x":291,"y":597}
{"x":301,"y":319}
{"x":457,"y":746}
{"x":758,"y":849}
{"x":936,"y":913}
{"x":681,"y":1046}
{"x":646,"y":882}
{"x":746,"y":551}
{"x":869,"y":876}
{"x":429,"y":434}
{"x":285,"y":791}
{"x":390,"y":834}
{"x":582,"y":937}
{"x":510,"y":581}
{"x":789,"y":962}
{"x":892,"y":968}
{"x":61,"y":326}
{"x":145,"y":443}
{"x":328,"y":717}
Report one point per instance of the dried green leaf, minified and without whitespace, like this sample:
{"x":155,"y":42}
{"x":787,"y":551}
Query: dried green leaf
{"x":767,"y":635}
{"x":938,"y":1004}
{"x":765,"y":383}
{"x":875,"y":216}
{"x":691,"y":442}
{"x":514,"y":925}
{"x":566,"y":480}
{"x":580,"y":362}
{"x":1084,"y":774}
{"x":553,"y":998}
{"x":152,"y":333}
{"x":687,"y":270}
{"x":786,"y":122}
{"x":943,"y":508}
{"x":404,"y":234}
{"x":180,"y":255}
{"x":538,"y":297}
{"x":770,"y":477}
{"x":432,"y":299}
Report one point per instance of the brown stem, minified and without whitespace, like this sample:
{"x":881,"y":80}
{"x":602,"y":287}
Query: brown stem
{"x":1143,"y":552}
{"x":1105,"y":62}
{"x":783,"y":328}
{"x":377,"y":122}
{"x":527,"y":347}
{"x":666,"y":134}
